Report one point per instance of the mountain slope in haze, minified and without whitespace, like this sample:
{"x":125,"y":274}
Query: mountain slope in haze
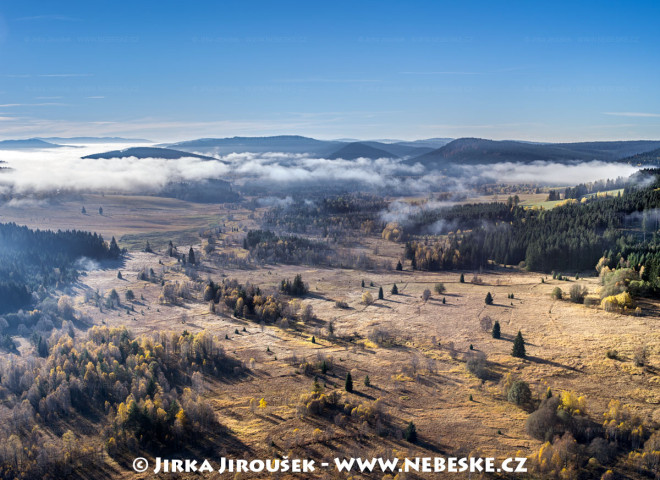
{"x":91,"y":140}
{"x":148,"y":152}
{"x":25,"y":144}
{"x":651,"y":158}
{"x":430,"y":143}
{"x":617,"y":150}
{"x":356,"y":150}
{"x":281,"y":143}
{"x":300,"y":144}
{"x":474,"y":151}
{"x":399,"y":149}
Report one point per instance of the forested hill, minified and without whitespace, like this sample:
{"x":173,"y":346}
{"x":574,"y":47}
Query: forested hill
{"x":479,"y":151}
{"x":30,"y":259}
{"x":569,"y":238}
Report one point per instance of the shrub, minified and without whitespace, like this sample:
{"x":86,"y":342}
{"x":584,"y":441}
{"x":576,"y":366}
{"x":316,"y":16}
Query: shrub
{"x":616,"y":281}
{"x":367,"y":298}
{"x":619,"y":302}
{"x":341,"y":304}
{"x":601,"y":450}
{"x":557,"y":294}
{"x":380,"y":336}
{"x":577,"y":293}
{"x":439,"y":288}
{"x":426,"y":294}
{"x":640,"y":356}
{"x":477,"y":365}
{"x":543,"y":424}
{"x":519,"y":393}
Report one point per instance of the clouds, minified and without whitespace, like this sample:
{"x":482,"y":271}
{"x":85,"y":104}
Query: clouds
{"x":402,"y":212}
{"x":63,"y":169}
{"x":299,"y":169}
{"x":42,"y":171}
{"x":549,"y":173}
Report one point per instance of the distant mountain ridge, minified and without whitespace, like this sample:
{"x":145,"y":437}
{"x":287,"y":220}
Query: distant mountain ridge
{"x":280,"y":143}
{"x":476,"y":151}
{"x":147,"y":152}
{"x":356,"y":150}
{"x":303,"y":145}
{"x":90,"y":140}
{"x":26,"y":144}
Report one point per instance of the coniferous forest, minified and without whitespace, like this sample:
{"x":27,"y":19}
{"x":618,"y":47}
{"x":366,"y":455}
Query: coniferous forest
{"x":571,"y":238}
{"x":34,"y":259}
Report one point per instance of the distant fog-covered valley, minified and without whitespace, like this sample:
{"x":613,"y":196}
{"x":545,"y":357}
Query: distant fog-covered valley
{"x":220,"y":170}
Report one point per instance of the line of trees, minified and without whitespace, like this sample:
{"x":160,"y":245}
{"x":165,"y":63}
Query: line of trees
{"x":141,"y":392}
{"x":572,"y":237}
{"x":31,"y":259}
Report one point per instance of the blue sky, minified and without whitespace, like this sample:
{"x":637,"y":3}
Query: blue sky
{"x":172,"y":70}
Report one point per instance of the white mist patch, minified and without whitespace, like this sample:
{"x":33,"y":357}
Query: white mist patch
{"x":275,"y":202}
{"x":550,"y":172}
{"x":84,"y":263}
{"x":285,"y":168}
{"x":63,"y":169}
{"x":401,"y":212}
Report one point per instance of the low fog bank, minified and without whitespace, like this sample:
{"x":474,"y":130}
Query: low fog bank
{"x":39,"y":172}
{"x":548,"y":173}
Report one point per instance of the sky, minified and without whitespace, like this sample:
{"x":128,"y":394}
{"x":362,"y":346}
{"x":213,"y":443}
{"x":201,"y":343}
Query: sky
{"x":174,"y":70}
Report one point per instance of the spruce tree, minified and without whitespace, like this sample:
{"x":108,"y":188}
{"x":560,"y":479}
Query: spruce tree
{"x":518,"y":346}
{"x":114,"y":248}
{"x":496,"y":330}
{"x":191,"y":256}
{"x":367,"y":382}
{"x":399,"y":267}
{"x":380,"y":293}
{"x":349,"y":383}
{"x":362,"y":283}
{"x":462,"y":279}
{"x":489,"y":299}
{"x":410,"y":433}
{"x":84,"y":210}
{"x":395,"y":290}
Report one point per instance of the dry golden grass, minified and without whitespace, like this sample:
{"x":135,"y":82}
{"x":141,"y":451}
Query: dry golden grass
{"x":566,"y":343}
